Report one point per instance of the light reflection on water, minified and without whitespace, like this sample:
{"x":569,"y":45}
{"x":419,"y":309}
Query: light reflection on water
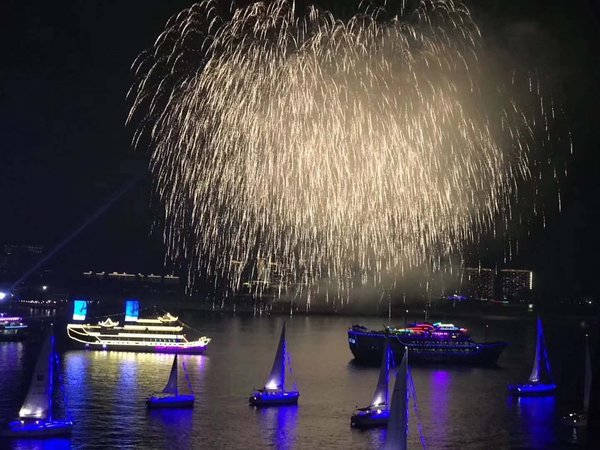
{"x":278,"y":425}
{"x":535,"y":416}
{"x":460,"y":407}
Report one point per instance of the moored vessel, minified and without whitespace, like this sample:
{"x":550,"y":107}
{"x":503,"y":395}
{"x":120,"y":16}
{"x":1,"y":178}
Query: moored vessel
{"x":12,"y":328}
{"x":437,"y":342}
{"x":160,"y":334}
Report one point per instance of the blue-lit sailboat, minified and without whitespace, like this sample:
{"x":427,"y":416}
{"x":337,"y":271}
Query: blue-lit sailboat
{"x":274,"y":393}
{"x":169,"y":397}
{"x":377,"y":413}
{"x":580,"y":419}
{"x":35,"y":416}
{"x":540,"y":381}
{"x":397,"y":427}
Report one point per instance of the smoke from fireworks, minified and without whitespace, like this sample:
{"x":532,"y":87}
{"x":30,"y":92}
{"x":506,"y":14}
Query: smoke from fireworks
{"x":336,"y":149}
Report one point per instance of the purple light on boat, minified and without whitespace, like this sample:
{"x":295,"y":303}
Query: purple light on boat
{"x":179,"y":346}
{"x":10,"y":319}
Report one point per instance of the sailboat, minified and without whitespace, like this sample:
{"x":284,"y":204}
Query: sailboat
{"x":377,"y":413}
{"x":397,"y":427}
{"x":35,"y":416}
{"x":169,"y":397}
{"x":580,"y":419}
{"x":274,"y":393}
{"x":540,"y":381}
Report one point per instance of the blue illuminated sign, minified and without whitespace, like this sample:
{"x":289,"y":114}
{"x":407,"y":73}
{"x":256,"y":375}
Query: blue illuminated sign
{"x":79,"y":309}
{"x":132,"y":310}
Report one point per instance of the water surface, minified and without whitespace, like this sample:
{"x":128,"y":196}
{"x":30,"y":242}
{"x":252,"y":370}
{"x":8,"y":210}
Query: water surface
{"x":458,"y":407}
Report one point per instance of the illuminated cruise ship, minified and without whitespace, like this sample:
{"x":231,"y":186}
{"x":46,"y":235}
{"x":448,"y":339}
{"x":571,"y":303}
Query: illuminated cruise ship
{"x":162,"y":334}
{"x":12,"y":328}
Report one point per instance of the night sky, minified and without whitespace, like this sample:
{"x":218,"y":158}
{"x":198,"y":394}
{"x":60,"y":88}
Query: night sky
{"x":65,"y":150}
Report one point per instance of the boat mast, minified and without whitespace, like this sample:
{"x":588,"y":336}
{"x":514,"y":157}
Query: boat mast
{"x":171,"y":387}
{"x":541,"y":365}
{"x":397,"y":429}
{"x":587,"y":384}
{"x":38,"y":402}
{"x":380,"y":397}
{"x":277,"y":377}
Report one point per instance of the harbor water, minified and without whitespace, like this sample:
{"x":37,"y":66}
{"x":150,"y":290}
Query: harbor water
{"x":455,"y":408}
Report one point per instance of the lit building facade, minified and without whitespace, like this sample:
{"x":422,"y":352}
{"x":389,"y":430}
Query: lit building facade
{"x":478,"y":283}
{"x":515,"y":283}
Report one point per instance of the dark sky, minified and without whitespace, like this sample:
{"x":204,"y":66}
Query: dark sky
{"x":65,"y":151}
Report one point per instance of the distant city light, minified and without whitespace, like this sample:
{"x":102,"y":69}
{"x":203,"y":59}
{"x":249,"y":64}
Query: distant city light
{"x":3,"y":295}
{"x":44,"y":287}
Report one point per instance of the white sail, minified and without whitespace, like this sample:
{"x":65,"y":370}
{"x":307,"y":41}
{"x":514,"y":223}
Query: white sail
{"x":587,"y":384}
{"x":276,"y":379}
{"x":397,"y":428}
{"x":38,"y":402}
{"x":171,"y":387}
{"x":540,"y":373}
{"x":380,"y":396}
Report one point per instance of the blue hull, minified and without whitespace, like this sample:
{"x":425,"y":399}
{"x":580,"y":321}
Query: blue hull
{"x":532,"y":389}
{"x":265,"y":398}
{"x":37,"y":429}
{"x":367,"y":348}
{"x":179,"y":401}
{"x":370,"y":419}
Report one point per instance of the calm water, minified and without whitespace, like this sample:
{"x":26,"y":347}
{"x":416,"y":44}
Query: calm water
{"x":459,"y":407}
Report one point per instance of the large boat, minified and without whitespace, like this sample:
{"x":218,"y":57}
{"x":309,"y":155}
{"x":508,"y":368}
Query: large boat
{"x":36,"y":418}
{"x":437,"y":342}
{"x":161,"y":334}
{"x":12,"y":329}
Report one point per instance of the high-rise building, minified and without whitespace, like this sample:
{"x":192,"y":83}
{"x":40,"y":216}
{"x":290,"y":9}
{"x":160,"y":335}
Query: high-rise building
{"x":478,"y":283}
{"x":516,"y":283}
{"x":18,"y":258}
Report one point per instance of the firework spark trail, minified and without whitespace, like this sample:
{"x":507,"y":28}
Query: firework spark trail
{"x":337,"y":149}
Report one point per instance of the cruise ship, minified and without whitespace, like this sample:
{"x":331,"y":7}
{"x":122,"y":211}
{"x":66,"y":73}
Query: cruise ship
{"x":161,"y":334}
{"x":437,"y":342}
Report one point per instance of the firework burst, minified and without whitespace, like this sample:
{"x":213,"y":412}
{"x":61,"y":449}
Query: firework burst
{"x":336,"y":149}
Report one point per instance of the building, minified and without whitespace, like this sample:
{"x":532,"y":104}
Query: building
{"x":116,"y":285}
{"x":516,"y":284}
{"x":16,"y":259}
{"x":478,"y":283}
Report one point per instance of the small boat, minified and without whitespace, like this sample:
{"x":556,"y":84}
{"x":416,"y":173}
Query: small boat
{"x":274,"y":393}
{"x":169,"y":397}
{"x":397,"y":426}
{"x":35,"y":416}
{"x":377,"y":413}
{"x":12,"y":329}
{"x":540,"y":381}
{"x":580,"y":419}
